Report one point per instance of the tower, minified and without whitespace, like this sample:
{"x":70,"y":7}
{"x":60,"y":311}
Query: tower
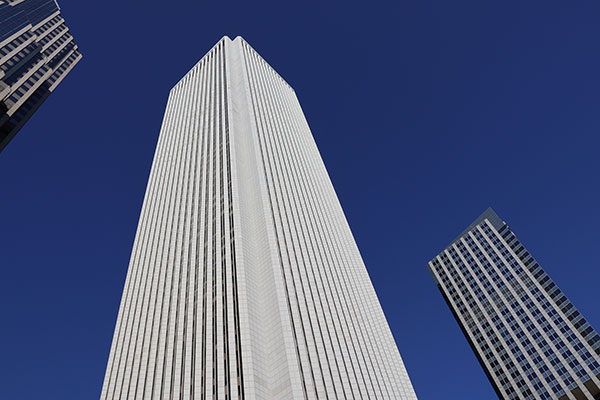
{"x":37,"y":51}
{"x":245,"y":281}
{"x":529,"y":338}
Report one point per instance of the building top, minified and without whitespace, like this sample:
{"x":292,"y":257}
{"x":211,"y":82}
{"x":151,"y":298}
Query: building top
{"x":227,"y":39}
{"x":488,"y":214}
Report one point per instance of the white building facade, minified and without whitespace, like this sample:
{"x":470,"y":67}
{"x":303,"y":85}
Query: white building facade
{"x":245,"y":281}
{"x":529,"y":338}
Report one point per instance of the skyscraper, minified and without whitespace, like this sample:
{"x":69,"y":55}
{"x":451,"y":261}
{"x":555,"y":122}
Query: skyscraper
{"x":245,"y":281}
{"x":36,"y":52}
{"x":529,"y":338}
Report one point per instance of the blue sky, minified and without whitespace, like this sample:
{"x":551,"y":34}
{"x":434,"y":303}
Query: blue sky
{"x":425,"y":112}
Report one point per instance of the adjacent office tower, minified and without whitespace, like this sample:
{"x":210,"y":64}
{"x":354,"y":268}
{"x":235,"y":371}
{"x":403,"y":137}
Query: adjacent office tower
{"x":245,"y":281}
{"x":36,"y":52}
{"x":530,"y":339}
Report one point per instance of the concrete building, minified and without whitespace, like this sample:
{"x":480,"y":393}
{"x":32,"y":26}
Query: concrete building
{"x":529,"y":338}
{"x":37,"y":51}
{"x":245,"y":281}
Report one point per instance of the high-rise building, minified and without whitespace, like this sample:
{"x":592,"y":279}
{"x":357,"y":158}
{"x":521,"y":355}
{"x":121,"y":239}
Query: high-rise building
{"x":529,"y":338}
{"x":245,"y":281}
{"x":36,"y":52}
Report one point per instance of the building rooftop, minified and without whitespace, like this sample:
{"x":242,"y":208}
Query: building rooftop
{"x":488,"y":214}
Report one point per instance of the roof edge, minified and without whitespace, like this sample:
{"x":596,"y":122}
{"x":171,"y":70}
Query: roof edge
{"x":488,"y":214}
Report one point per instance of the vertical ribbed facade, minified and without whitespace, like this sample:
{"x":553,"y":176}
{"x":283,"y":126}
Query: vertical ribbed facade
{"x":245,"y":281}
{"x":37,"y":51}
{"x":529,"y":338}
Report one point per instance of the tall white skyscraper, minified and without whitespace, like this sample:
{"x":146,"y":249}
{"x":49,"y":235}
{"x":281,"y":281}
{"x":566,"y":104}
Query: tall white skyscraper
{"x":245,"y":281}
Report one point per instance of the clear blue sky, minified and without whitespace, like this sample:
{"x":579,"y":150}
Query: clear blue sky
{"x":425,"y":112}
